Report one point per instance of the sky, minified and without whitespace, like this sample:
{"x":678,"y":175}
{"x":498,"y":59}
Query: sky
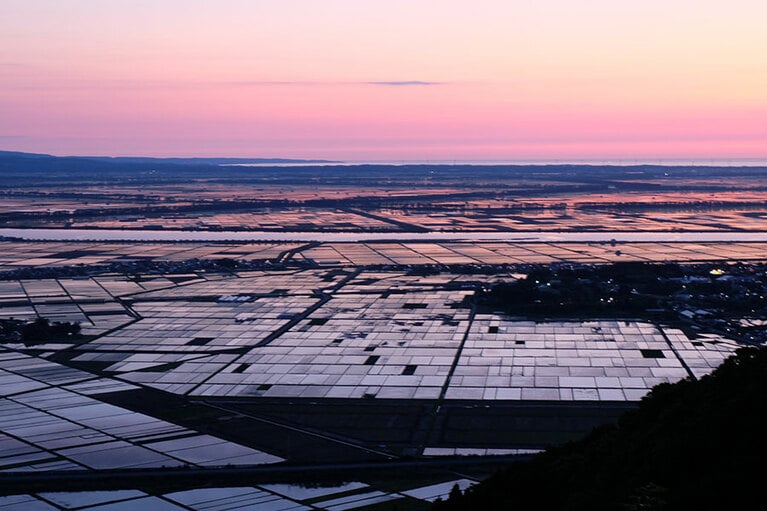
{"x":393,"y":80}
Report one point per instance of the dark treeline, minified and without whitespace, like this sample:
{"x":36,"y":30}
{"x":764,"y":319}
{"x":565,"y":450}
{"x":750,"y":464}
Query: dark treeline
{"x":37,"y":331}
{"x":631,"y":289}
{"x":135,"y":268}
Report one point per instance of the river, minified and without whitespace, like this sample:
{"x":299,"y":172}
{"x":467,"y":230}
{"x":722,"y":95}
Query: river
{"x":335,"y":237}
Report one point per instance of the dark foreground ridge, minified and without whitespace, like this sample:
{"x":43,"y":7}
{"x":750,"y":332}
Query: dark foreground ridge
{"x":690,"y":445}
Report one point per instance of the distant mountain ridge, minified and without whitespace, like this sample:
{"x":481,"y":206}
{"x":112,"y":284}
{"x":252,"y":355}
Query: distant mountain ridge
{"x":18,"y":169}
{"x":174,"y":161}
{"x":22,"y":169}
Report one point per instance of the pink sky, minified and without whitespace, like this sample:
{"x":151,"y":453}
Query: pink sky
{"x":350,"y":79}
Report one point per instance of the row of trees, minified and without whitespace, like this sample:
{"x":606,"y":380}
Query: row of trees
{"x":40,"y":330}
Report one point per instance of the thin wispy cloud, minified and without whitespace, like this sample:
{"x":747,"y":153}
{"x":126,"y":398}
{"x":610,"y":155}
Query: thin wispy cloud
{"x":68,"y":84}
{"x":275,"y":83}
{"x":389,"y":83}
{"x":404,"y":83}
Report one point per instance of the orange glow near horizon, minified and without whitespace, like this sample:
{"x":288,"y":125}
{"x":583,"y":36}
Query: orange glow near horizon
{"x":396,"y":80}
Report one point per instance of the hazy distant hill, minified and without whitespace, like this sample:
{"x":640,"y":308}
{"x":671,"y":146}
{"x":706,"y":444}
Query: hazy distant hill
{"x":207,"y":161}
{"x":174,"y":161}
{"x":23,"y":169}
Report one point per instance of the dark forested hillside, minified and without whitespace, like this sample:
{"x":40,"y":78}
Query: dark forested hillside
{"x":690,"y":445}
